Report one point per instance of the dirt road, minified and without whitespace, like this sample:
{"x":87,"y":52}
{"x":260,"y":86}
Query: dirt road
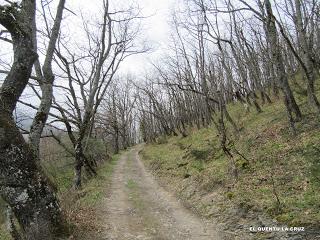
{"x":138,"y":208}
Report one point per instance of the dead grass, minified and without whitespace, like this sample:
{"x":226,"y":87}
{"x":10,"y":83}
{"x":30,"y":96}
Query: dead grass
{"x":81,"y":207}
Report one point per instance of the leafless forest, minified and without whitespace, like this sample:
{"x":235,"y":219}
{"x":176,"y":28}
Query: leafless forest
{"x":64,"y":83}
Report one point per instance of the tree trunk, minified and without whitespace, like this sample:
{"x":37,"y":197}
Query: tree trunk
{"x":46,"y":78}
{"x":25,"y":188}
{"x":223,"y":142}
{"x":116,"y":140}
{"x":23,"y":185}
{"x":307,"y":58}
{"x":78,"y":166}
{"x":272,"y":37}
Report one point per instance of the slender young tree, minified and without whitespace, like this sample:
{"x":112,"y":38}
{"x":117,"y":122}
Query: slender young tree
{"x":45,"y":77}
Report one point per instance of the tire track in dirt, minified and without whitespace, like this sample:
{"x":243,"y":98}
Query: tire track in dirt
{"x":138,"y":208}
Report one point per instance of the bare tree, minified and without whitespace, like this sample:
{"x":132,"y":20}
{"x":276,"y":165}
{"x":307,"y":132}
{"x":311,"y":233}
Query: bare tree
{"x":89,"y":74}
{"x":304,"y":19}
{"x":117,"y":116}
{"x":272,"y":38}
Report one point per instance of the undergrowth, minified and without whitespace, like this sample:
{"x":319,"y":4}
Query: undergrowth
{"x":279,"y":174}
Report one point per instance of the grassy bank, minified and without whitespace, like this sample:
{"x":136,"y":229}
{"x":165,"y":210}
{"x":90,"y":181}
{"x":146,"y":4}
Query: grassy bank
{"x":279,"y":175}
{"x":81,"y":207}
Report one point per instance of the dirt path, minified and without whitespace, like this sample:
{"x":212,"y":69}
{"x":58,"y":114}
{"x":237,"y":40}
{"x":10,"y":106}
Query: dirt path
{"x":138,"y":208}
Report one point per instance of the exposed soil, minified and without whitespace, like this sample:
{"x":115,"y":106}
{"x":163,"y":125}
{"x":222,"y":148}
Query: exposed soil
{"x":138,"y":208}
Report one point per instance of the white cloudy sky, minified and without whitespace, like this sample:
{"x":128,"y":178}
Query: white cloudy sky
{"x":155,"y":27}
{"x":157,"y":31}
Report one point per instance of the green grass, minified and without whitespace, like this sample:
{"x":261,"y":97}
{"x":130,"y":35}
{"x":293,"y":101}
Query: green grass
{"x":278,"y":163}
{"x":131,"y":184}
{"x":4,"y":235}
{"x":134,"y":195}
{"x":139,"y":204}
{"x":95,"y":189}
{"x":133,"y":190}
{"x":81,"y":207}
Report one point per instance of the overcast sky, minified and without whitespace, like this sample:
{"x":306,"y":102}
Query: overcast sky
{"x":155,"y":27}
{"x":157,"y":32}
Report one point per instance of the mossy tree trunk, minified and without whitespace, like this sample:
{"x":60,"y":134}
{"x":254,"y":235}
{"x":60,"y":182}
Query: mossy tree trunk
{"x":23,"y":185}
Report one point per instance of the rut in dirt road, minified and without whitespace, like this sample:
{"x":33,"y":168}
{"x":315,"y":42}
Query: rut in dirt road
{"x":138,"y":208}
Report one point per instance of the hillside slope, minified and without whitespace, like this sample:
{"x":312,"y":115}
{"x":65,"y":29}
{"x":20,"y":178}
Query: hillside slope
{"x":279,"y":174}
